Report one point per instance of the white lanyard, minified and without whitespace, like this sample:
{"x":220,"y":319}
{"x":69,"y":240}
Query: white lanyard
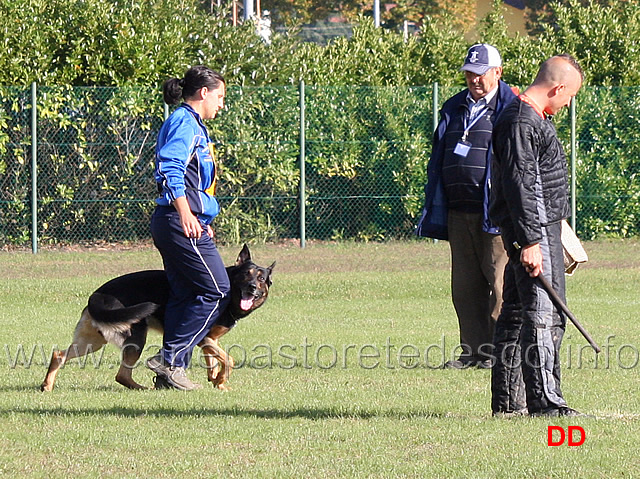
{"x":476,"y":118}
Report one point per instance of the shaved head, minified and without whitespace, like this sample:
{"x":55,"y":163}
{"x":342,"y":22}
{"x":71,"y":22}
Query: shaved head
{"x":557,"y":82}
{"x":558,"y":69}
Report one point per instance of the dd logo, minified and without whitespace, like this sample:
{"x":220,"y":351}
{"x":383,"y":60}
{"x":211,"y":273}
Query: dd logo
{"x":556,"y":436}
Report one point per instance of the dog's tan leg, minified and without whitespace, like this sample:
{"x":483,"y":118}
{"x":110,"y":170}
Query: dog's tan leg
{"x":130,"y":356}
{"x":86,"y":339}
{"x":58,"y":358}
{"x":219,"y":363}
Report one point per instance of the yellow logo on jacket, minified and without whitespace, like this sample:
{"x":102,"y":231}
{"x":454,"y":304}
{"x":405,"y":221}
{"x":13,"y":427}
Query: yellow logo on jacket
{"x":211,"y":191}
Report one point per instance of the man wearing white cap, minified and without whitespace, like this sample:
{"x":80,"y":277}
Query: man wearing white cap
{"x":457,"y":202}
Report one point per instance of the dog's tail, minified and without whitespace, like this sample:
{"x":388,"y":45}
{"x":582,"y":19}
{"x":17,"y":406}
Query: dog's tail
{"x":104,"y":308}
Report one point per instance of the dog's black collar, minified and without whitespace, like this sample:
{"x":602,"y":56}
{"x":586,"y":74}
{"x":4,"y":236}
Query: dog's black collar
{"x":233,"y":319}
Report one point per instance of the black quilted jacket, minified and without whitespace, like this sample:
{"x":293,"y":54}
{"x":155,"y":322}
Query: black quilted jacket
{"x":529,"y":172}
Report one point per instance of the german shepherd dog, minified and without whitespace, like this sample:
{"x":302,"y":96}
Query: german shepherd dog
{"x":122,"y":310}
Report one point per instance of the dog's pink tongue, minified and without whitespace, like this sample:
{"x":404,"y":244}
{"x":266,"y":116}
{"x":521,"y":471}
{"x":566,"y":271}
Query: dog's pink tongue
{"x":245,"y":304}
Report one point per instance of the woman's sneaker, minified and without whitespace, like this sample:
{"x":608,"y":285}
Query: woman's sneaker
{"x":173,"y":377}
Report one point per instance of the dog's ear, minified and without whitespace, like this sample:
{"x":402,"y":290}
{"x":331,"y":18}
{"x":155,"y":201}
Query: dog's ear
{"x":269,"y":271}
{"x":244,"y":256}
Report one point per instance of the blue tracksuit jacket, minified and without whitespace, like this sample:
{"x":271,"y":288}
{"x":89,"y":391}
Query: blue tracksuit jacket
{"x":185,"y":163}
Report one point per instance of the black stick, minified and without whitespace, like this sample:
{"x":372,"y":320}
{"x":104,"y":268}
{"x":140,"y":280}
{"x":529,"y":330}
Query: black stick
{"x":560,"y":304}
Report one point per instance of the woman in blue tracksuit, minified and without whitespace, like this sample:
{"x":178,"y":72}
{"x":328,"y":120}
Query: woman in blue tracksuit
{"x":180,"y":225}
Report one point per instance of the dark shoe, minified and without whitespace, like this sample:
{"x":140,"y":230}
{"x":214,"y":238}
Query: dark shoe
{"x":460,"y":363}
{"x":562,"y":411}
{"x":174,"y":377}
{"x":548,"y":412}
{"x":485,"y":364}
{"x":570,"y":412}
{"x":510,"y":414}
{"x":160,"y":382}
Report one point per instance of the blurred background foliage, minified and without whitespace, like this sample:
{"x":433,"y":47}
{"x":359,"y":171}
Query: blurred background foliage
{"x":142,"y":42}
{"x":369,"y":119}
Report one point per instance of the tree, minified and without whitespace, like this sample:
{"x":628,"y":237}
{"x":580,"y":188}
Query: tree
{"x":604,"y":37}
{"x":119,"y":42}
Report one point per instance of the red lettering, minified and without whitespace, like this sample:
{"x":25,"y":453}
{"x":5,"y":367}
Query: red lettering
{"x":550,"y":441}
{"x":582,"y":436}
{"x":572,"y":441}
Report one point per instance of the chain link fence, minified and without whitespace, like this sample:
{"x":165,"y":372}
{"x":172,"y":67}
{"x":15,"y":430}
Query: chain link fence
{"x":312,"y":162}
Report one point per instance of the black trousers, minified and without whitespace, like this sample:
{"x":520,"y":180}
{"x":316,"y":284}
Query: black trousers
{"x":529,"y":332}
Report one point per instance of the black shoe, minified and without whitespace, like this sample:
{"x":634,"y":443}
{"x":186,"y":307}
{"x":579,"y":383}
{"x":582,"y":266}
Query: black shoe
{"x":547,"y":412}
{"x":570,"y":412}
{"x":509,"y":414}
{"x":160,"y":382}
{"x":562,"y":411}
{"x":460,"y":363}
{"x":485,"y":364}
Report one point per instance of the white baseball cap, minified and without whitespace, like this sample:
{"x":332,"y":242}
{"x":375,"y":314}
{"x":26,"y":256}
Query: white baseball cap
{"x":480,"y":58}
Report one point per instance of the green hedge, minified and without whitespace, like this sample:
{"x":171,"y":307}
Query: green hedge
{"x":368,"y":128}
{"x":366,"y":152}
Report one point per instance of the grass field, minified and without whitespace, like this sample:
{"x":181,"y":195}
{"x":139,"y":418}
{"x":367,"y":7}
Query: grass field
{"x":338,"y":376}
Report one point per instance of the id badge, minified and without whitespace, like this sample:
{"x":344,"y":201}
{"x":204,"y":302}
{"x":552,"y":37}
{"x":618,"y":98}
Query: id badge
{"x":462,"y":148}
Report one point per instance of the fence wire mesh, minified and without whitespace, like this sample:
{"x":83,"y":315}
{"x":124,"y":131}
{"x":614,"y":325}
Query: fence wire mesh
{"x":365,"y":154}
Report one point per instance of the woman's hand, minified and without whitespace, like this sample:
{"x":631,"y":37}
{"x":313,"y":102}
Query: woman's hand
{"x":190,"y":223}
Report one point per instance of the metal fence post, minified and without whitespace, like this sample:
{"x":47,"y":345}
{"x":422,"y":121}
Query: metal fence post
{"x":435,"y":105}
{"x":303,"y":197}
{"x":436,"y":116}
{"x":574,"y":145}
{"x":34,"y":170}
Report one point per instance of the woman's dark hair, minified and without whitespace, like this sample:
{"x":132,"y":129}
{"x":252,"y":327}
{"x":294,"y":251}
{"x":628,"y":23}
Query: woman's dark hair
{"x":175,"y":89}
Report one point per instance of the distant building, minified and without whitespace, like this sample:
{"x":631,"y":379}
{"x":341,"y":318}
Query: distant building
{"x":335,"y":25}
{"x":514,"y":14}
{"x":323,"y":31}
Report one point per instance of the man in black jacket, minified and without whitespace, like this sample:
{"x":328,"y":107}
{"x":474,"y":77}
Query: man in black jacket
{"x":530,"y":199}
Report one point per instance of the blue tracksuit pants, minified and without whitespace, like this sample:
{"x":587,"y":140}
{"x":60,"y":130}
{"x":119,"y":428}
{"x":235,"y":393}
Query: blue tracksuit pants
{"x":198,"y":281}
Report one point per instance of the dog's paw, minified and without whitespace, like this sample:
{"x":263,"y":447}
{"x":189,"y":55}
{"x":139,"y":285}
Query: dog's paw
{"x":219,"y":383}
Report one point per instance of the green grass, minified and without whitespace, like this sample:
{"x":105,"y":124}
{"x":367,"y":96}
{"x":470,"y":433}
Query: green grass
{"x":292,"y":412}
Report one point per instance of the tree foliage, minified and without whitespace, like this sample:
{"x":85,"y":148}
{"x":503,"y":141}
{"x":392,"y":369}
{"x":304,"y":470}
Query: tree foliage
{"x":361,"y":140}
{"x":127,"y":42}
{"x":605,"y":37}
{"x":120,"y":42}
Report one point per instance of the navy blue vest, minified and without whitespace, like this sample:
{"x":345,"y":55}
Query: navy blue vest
{"x":463,"y":177}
